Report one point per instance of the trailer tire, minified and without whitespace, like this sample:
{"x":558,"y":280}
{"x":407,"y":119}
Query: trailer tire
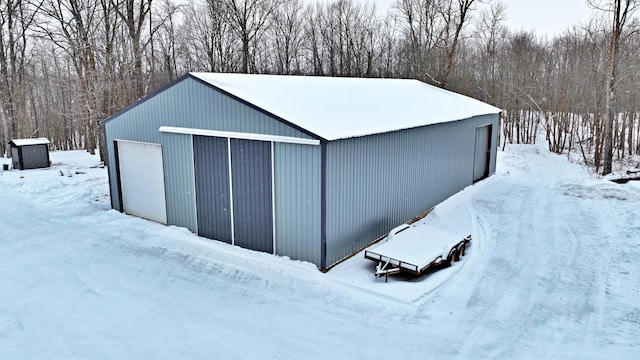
{"x":453,"y":257}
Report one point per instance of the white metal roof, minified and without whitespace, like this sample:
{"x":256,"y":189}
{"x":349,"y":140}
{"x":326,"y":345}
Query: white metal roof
{"x":36,"y":141}
{"x":337,"y":107}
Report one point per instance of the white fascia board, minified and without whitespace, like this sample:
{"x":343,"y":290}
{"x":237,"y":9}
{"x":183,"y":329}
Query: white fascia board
{"x":136,"y":142}
{"x":239,"y":135}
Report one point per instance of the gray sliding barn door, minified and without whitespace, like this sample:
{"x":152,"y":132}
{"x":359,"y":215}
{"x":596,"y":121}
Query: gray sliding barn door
{"x":234,"y":191}
{"x":251,"y":171}
{"x":482,"y":154}
{"x":213,"y":194}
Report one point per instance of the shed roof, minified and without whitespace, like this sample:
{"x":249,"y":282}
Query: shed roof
{"x":24,"y":142}
{"x":338,"y":107}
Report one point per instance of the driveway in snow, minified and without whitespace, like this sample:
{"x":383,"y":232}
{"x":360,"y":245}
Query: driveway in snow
{"x":553,"y":272}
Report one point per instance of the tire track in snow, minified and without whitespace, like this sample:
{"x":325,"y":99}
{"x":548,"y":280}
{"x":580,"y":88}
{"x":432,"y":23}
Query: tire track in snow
{"x":522,"y":286}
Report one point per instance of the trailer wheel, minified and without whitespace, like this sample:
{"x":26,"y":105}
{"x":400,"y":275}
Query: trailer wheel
{"x":463,"y":248}
{"x":453,"y":257}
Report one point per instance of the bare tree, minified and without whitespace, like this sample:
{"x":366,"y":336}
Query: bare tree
{"x":389,"y":60}
{"x":71,"y":25}
{"x":8,"y":71}
{"x":167,"y":39}
{"x":490,"y":33}
{"x":423,"y":34}
{"x":462,"y":15}
{"x":621,"y":12}
{"x":288,"y":36}
{"x":66,"y":64}
{"x":110,"y":37}
{"x":248,"y":19}
{"x":16,"y":18}
{"x":344,"y":38}
{"x":135,"y":14}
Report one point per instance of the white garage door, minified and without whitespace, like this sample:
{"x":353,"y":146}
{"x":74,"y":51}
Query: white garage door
{"x":142,"y":180}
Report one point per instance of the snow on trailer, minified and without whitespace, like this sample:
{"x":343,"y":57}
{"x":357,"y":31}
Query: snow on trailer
{"x":417,"y":248}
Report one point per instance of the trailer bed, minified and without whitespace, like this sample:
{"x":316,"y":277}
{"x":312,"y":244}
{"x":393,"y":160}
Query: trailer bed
{"x":415,"y":249}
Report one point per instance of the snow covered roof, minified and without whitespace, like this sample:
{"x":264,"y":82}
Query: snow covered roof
{"x":36,"y":141}
{"x":337,"y":107}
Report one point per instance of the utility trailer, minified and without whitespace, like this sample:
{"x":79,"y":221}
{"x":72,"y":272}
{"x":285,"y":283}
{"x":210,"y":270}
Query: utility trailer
{"x":417,"y":248}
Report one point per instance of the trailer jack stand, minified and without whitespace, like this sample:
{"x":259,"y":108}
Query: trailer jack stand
{"x":382,"y":270}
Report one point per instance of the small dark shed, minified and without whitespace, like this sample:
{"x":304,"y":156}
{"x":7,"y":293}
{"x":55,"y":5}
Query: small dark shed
{"x":30,"y":153}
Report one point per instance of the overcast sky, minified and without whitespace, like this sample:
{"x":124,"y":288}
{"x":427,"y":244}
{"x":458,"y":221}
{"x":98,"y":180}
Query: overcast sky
{"x":547,"y":17}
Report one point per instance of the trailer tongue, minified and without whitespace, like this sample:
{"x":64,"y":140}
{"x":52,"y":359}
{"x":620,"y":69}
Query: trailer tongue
{"x":417,"y":248}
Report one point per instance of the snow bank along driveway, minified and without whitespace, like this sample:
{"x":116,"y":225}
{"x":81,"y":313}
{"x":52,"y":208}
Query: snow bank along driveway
{"x":553,"y":272}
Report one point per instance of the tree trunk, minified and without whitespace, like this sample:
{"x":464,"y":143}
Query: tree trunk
{"x":609,"y":120}
{"x":6,"y":132}
{"x":610,"y":106}
{"x":463,"y":7}
{"x":245,"y":55}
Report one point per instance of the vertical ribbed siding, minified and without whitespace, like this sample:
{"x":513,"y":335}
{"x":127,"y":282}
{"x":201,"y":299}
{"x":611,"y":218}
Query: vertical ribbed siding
{"x":297,"y":201}
{"x":179,"y":180}
{"x":495,"y":141}
{"x":252,"y":196}
{"x":213,"y":191}
{"x":187,"y":103}
{"x":16,"y":158}
{"x":34,"y":156}
{"x":377,"y":182}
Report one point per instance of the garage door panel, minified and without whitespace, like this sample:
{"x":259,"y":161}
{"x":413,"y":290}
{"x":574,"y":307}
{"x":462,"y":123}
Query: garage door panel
{"x":142,"y":180}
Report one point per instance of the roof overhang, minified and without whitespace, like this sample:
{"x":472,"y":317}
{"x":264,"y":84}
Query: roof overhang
{"x":239,"y":135}
{"x":25,"y":142}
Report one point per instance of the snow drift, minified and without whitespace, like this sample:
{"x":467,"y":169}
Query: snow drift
{"x":553,"y":272}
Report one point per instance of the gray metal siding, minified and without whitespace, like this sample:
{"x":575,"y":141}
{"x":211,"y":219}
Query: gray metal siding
{"x":34,"y":156}
{"x":377,"y":182}
{"x":297,"y":201}
{"x":251,"y":175}
{"x":180,"y":193}
{"x":15,"y":158}
{"x":191,"y":104}
{"x":494,"y":120}
{"x":213,"y":192}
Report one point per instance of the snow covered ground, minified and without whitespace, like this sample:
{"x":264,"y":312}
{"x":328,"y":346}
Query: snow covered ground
{"x":553,"y":273}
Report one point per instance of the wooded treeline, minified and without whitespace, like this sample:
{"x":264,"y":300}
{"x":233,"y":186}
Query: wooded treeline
{"x":67,"y":64}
